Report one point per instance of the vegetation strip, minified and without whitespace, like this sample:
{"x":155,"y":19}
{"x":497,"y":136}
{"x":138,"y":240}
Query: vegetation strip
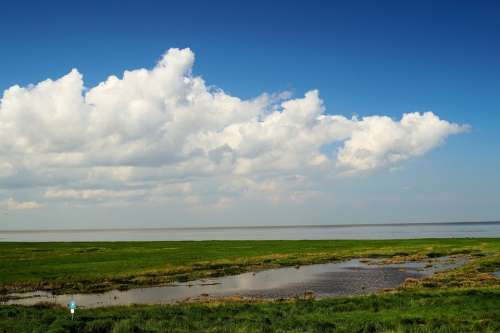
{"x":465,"y":299}
{"x":467,"y":310}
{"x":101,"y":266}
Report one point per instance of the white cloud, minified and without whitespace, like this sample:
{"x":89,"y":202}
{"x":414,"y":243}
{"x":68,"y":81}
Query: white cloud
{"x":90,"y":194}
{"x":380,"y":141}
{"x":135,"y":136}
{"x":12,"y":204}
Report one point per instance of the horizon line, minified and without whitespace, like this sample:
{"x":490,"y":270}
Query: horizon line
{"x":254,"y":227}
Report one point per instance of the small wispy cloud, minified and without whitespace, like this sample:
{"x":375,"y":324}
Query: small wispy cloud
{"x":12,"y":204}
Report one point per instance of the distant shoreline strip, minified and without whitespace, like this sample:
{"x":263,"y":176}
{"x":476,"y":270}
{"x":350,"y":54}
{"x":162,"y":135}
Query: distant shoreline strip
{"x":363,"y":225}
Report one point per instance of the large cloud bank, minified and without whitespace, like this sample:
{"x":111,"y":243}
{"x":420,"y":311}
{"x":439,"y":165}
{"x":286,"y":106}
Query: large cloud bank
{"x":163,"y":134}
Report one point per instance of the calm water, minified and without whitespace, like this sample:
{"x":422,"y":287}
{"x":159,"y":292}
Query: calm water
{"x":351,"y":277}
{"x":380,"y":231}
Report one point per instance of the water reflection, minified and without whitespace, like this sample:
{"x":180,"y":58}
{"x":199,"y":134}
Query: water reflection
{"x":352,"y":277}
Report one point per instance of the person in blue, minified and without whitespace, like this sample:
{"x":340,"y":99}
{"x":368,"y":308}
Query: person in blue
{"x":72,"y":307}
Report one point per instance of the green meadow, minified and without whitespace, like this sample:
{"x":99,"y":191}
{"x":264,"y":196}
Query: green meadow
{"x":433,"y":312}
{"x":99,"y":266}
{"x":466,"y":299}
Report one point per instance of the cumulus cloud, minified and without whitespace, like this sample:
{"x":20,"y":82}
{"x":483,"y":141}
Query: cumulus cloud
{"x":380,"y":141}
{"x":152,"y":131}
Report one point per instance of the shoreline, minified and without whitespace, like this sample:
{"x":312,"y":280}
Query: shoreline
{"x":361,"y":225}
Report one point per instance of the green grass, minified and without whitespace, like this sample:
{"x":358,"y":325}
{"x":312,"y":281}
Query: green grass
{"x":468,"y":310}
{"x":466,"y":299}
{"x":99,"y":266}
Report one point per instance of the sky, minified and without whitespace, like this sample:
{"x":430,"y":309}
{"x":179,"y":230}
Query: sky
{"x":120,"y":114}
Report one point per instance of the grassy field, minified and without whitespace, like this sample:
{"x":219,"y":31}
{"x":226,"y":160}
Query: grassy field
{"x":99,"y":266}
{"x":466,"y":299}
{"x":469,"y":310}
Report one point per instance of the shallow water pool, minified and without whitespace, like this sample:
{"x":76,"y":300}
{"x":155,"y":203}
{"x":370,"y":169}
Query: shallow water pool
{"x":352,"y":277}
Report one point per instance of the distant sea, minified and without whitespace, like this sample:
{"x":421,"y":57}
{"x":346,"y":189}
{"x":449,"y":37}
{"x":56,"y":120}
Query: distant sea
{"x":363,"y":231}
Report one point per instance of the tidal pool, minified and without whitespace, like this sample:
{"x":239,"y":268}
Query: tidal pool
{"x":352,"y":277}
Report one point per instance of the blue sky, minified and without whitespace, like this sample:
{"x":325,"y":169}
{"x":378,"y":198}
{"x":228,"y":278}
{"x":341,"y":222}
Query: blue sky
{"x":366,"y":58}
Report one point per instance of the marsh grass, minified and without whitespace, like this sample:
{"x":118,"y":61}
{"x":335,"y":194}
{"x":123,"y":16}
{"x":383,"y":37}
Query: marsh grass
{"x":464,"y":310}
{"x":476,"y":273}
{"x":466,"y":299}
{"x":101,"y":266}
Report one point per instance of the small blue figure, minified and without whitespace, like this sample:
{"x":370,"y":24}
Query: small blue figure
{"x":72,"y":308}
